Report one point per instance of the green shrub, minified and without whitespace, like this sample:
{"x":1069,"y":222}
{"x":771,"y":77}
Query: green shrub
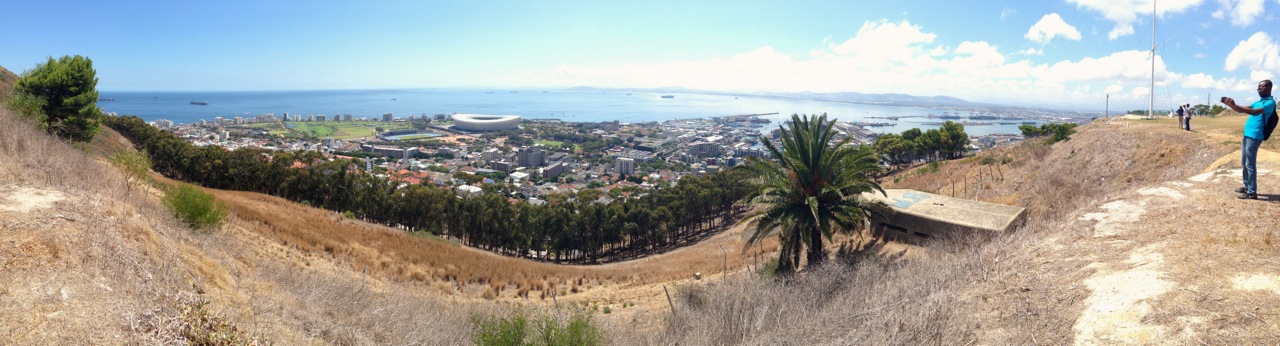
{"x":516,"y":328}
{"x":511,"y":330}
{"x":133,"y":164}
{"x":769,"y":269}
{"x":195,"y":208}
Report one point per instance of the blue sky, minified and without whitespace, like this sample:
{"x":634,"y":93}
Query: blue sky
{"x":1068,"y":53}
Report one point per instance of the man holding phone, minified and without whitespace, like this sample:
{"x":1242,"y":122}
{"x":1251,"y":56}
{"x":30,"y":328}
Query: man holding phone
{"x":1258,"y":112}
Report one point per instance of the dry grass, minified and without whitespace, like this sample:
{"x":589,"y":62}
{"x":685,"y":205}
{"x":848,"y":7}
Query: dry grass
{"x":84,"y":260}
{"x":108,"y":266}
{"x":1098,"y":162}
{"x":435,"y":262}
{"x":1025,"y":287}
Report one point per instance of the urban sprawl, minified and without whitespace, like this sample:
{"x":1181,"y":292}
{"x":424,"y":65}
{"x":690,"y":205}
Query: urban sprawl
{"x":547,"y":156}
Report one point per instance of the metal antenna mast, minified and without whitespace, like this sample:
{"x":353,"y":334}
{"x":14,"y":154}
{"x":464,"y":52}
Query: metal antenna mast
{"x":1151,"y":105}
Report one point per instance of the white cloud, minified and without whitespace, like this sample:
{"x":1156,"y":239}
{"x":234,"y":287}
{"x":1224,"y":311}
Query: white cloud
{"x":898,"y":57}
{"x":1114,"y":88}
{"x":1132,"y":65}
{"x":1221,"y":12}
{"x":1260,"y":75}
{"x":1257,"y":53}
{"x":1140,"y":93}
{"x":884,"y":39}
{"x":1050,"y":26}
{"x":1032,"y":51}
{"x":1125,"y":13}
{"x":1007,"y":12}
{"x":1242,"y":12}
{"x":1204,"y":81}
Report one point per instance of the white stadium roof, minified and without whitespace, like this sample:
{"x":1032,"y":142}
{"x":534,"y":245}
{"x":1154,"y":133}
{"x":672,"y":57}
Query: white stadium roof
{"x":483,"y":122}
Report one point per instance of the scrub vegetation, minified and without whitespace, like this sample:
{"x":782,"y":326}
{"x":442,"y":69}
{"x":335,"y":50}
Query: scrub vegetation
{"x":107,"y":263}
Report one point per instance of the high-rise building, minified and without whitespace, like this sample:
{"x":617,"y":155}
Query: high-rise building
{"x":626,"y":165}
{"x":346,"y":117}
{"x":491,"y":154}
{"x":531,"y":157}
{"x":387,"y":117}
{"x":701,"y":148}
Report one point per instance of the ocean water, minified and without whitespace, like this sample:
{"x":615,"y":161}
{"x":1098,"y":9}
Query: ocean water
{"x":566,"y":105}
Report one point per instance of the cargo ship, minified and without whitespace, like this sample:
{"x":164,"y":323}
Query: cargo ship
{"x":201,"y":103}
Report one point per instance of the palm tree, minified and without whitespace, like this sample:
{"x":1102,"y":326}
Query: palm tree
{"x":810,"y":190}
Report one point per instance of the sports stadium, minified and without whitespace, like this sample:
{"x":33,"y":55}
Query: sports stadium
{"x":481,"y":122}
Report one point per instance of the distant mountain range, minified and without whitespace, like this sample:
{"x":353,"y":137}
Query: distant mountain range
{"x":848,"y":96}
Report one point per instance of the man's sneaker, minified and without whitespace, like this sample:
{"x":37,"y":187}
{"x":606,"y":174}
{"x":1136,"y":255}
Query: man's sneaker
{"x":1248,"y":196}
{"x":1241,"y":190}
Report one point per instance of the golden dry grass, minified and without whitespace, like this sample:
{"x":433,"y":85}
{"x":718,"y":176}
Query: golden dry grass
{"x":395,"y":255}
{"x":109,"y":266}
{"x":84,"y":260}
{"x":1208,"y":254}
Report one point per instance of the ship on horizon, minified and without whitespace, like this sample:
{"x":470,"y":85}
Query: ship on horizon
{"x":201,"y":103}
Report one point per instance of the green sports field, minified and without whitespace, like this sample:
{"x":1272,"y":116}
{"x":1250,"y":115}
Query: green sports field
{"x":335,"y":129}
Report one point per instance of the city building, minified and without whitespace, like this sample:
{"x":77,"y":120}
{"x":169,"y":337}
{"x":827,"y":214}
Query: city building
{"x":387,"y":117}
{"x":610,"y":126}
{"x":626,"y":165}
{"x":164,"y":124}
{"x":346,"y":117}
{"x":531,"y":157}
{"x":701,"y":148}
{"x":322,"y":117}
{"x":265,"y":118}
{"x":491,"y":154}
{"x":467,"y":191}
{"x":501,"y":166}
{"x":395,"y":152}
{"x":552,"y":171}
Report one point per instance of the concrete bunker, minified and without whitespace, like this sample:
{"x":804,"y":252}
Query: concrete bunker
{"x":918,"y":216}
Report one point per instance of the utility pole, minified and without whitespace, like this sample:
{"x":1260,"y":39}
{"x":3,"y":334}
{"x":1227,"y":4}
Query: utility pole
{"x":1107,"y":111}
{"x":1151,"y":105}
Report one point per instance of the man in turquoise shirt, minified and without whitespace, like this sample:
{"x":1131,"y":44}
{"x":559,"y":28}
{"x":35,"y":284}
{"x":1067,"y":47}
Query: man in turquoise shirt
{"x":1258,"y":113}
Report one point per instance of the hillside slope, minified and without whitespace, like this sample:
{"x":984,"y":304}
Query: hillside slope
{"x":7,"y":81}
{"x":1133,"y":237}
{"x":87,"y":259}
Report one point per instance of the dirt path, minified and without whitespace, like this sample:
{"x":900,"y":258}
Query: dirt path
{"x":1183,"y":262}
